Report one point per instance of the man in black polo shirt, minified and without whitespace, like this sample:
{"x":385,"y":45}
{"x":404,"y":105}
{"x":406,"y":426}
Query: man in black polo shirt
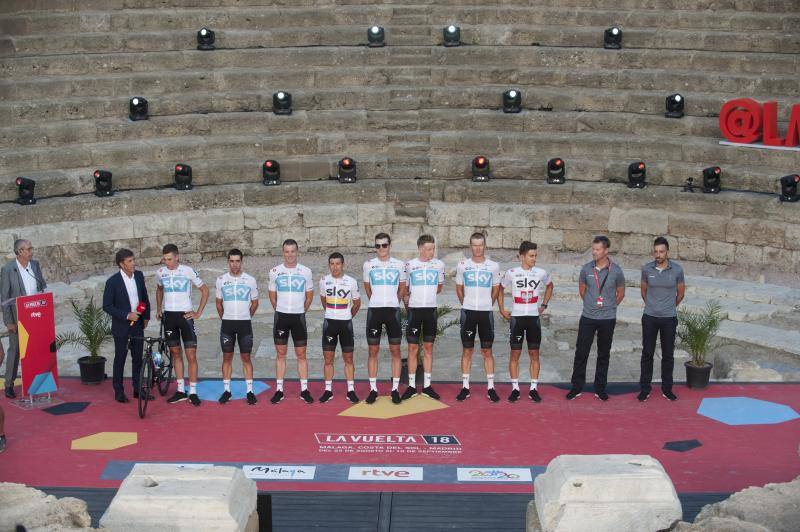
{"x":602,"y":287}
{"x":663,"y":288}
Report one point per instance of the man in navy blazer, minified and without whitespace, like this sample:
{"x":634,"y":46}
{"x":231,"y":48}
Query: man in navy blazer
{"x":123,"y":293}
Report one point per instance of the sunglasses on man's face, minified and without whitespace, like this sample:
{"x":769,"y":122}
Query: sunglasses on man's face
{"x":378,"y":246}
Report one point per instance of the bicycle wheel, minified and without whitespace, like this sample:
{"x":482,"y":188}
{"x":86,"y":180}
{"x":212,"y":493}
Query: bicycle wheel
{"x":145,"y":383}
{"x":164,"y":375}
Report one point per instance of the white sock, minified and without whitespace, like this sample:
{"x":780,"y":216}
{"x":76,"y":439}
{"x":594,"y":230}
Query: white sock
{"x":303,"y":384}
{"x":373,"y":384}
{"x":351,"y":386}
{"x":490,"y":381}
{"x":249,"y":385}
{"x":427,"y":379}
{"x":279,"y":385}
{"x":181,"y":386}
{"x":395,"y":384}
{"x":412,"y":380}
{"x":465,"y":380}
{"x":192,"y":388}
{"x":515,"y":384}
{"x":328,"y":385}
{"x":227,"y":384}
{"x":534,"y":383}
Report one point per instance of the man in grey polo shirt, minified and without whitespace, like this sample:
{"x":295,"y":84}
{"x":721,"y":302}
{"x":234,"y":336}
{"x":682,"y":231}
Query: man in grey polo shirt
{"x":663,"y":288}
{"x":602,"y":288}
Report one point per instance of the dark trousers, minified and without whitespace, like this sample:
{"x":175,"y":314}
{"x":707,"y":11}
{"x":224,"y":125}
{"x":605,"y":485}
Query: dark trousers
{"x":587,"y":328}
{"x":665,"y":328}
{"x":121,"y":347}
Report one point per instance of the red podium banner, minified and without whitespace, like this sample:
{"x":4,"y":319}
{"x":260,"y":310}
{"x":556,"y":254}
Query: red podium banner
{"x":37,"y":344}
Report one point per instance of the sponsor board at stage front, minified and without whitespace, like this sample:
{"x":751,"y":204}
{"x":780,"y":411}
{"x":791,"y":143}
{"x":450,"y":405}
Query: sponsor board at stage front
{"x":279,"y":472}
{"x":385,"y":473}
{"x":392,"y":439}
{"x":494,"y":474}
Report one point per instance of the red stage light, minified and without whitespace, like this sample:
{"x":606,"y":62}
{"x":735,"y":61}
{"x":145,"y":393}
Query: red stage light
{"x":558,"y":162}
{"x":19,"y":181}
{"x":268,"y":164}
{"x":641,"y":166}
{"x":178,"y":168}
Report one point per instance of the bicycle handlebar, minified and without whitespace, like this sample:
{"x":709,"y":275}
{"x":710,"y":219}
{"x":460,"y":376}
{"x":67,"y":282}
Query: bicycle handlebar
{"x":148,"y":339}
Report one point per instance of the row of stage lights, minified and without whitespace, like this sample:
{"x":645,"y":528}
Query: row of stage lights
{"x":481,"y":172}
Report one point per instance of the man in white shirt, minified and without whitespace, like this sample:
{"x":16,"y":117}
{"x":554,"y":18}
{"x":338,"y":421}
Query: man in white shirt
{"x":236,"y":301}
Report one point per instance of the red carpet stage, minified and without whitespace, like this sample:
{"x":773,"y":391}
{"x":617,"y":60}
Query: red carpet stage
{"x":722,"y":439}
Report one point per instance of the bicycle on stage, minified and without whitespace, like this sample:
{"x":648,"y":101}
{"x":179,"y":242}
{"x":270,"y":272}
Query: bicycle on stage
{"x":157,"y":369}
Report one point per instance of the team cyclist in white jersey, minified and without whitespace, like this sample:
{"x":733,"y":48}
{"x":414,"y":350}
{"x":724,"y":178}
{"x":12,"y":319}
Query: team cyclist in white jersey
{"x":174,"y":307}
{"x":477,"y":287}
{"x":527,"y":282}
{"x":341,"y":300}
{"x":425,"y":280}
{"x":237,"y":301}
{"x":291,"y":292}
{"x":384,"y":285}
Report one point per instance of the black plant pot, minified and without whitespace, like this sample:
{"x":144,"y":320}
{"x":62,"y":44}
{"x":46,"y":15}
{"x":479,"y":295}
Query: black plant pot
{"x":93,"y":370}
{"x":697,"y":377}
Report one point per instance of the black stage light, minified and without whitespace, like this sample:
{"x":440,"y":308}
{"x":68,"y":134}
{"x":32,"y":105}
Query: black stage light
{"x":712,"y":179}
{"x":282,"y":103}
{"x":674,"y":106}
{"x":102,"y":183}
{"x":137,"y":108}
{"x":452,"y":35}
{"x":612,"y":38}
{"x":512,"y":101}
{"x":205,"y":39}
{"x":271,"y":172}
{"x":481,"y":169}
{"x":556,"y":171}
{"x":789,"y":188}
{"x":347,"y":170}
{"x":637,"y":173}
{"x":376,"y":36}
{"x":25,"y":188}
{"x":183,"y":177}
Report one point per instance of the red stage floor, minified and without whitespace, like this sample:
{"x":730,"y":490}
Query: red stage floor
{"x":495,"y":441}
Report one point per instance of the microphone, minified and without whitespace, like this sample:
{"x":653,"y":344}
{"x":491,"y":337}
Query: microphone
{"x":141,"y":307}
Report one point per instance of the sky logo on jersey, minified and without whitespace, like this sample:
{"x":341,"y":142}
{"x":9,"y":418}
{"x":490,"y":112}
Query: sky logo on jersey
{"x":384,"y":276}
{"x":235,"y":292}
{"x":527,"y":282}
{"x":478,"y":279}
{"x":175,"y":283}
{"x":424,"y":277}
{"x":291,"y":283}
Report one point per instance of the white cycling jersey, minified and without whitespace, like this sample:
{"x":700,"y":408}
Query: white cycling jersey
{"x":291,"y":285}
{"x":526,"y":288}
{"x":177,"y":286}
{"x":339,"y":293}
{"x":478,"y":280}
{"x":384,"y":278}
{"x":424,"y":279}
{"x":236,"y":293}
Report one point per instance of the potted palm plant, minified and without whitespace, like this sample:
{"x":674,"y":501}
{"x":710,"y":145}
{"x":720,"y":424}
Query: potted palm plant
{"x":94,"y":329}
{"x":697,"y":331}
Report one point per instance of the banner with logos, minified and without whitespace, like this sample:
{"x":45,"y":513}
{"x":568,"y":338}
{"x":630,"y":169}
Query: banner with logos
{"x":37,"y":344}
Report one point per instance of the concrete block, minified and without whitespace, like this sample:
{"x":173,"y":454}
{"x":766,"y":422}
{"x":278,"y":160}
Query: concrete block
{"x":351,"y":236}
{"x":605,"y":493}
{"x":104,"y":230}
{"x":583,"y":217}
{"x":273,"y":216}
{"x":705,"y":226}
{"x":643,"y":221}
{"x":41,"y":236}
{"x":458,"y":214}
{"x":375,"y":214}
{"x":750,"y":255}
{"x":216,"y":219}
{"x":63,"y":292}
{"x":691,"y":249}
{"x":35,"y":510}
{"x":792,"y":239}
{"x":330,"y":215}
{"x":779,"y":259}
{"x":755,"y":232}
{"x":512,"y":237}
{"x":518,"y":215}
{"x":720,"y":252}
{"x":170,"y":497}
{"x":323,"y":237}
{"x":553,"y":238}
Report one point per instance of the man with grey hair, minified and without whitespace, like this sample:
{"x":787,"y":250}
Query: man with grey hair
{"x":19,"y":277}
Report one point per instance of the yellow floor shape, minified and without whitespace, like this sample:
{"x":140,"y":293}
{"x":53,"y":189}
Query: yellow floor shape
{"x":17,"y":382}
{"x":383,"y":408}
{"x":105,"y":441}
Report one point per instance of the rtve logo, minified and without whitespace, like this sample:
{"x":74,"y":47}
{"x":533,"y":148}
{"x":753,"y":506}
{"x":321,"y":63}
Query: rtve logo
{"x":390,"y":473}
{"x":176,"y":283}
{"x":478,"y":279}
{"x":384,"y":276}
{"x":526,"y":282}
{"x":425,"y":277}
{"x":290,"y":283}
{"x":235,"y":292}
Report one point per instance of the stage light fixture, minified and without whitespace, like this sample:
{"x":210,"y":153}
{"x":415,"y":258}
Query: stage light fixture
{"x":481,"y":169}
{"x":674,"y":106}
{"x":637,"y":174}
{"x":452,"y":35}
{"x":183,"y":177}
{"x":612,"y":38}
{"x":376,"y":37}
{"x":789,"y":188}
{"x":282,"y":103}
{"x":512,"y":101}
{"x":205,"y":39}
{"x":271,"y":172}
{"x":137,"y":108}
{"x":556,"y":171}
{"x":347,"y":170}
{"x":25,"y":189}
{"x":102,"y":183}
{"x":712,"y":179}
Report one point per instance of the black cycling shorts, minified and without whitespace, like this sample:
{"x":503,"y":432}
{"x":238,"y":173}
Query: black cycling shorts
{"x":525,"y":327}
{"x":236,"y":331}
{"x":480,"y":322}
{"x":285,"y":325}
{"x":177,"y":328}
{"x":380,"y":317}
{"x":337,"y":331}
{"x":421,"y":322}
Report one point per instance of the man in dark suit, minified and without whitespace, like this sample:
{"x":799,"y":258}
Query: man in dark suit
{"x":19,"y":277}
{"x":123,"y":293}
